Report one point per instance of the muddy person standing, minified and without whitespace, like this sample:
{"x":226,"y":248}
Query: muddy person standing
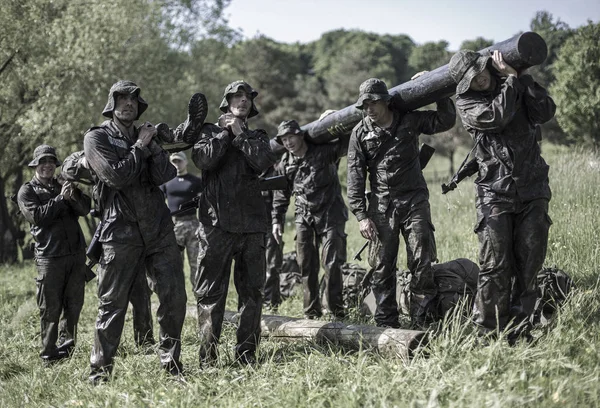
{"x":136,"y":228}
{"x":233,"y":222}
{"x":53,"y":208}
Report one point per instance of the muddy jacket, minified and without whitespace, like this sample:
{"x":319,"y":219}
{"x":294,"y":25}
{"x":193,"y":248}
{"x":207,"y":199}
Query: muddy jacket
{"x":54,"y":220}
{"x":508,"y":155}
{"x":392,"y":158}
{"x":128,"y":179}
{"x":230,"y":168}
{"x":314,"y":181}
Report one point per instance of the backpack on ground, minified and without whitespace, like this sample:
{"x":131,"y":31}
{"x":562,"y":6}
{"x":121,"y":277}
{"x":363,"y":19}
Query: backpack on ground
{"x":554,"y":286}
{"x":290,"y":276}
{"x":353,"y":289}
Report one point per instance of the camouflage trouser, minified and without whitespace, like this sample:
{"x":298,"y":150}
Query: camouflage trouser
{"x":217,"y":250}
{"x":274,"y":258}
{"x":186,"y":230}
{"x":118,"y":275}
{"x":333,"y":257}
{"x":512,"y":247}
{"x":415,"y":225}
{"x":60,"y":289}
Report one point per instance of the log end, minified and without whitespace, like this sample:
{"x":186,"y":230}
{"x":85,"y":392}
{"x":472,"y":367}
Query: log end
{"x":532,"y":48}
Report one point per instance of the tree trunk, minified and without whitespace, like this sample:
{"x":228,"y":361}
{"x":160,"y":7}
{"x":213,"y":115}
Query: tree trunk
{"x":398,"y":342}
{"x":9,"y":234}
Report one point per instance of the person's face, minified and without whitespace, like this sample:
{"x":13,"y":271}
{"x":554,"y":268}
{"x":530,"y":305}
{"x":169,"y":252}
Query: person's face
{"x":45,"y":169}
{"x":375,"y":110}
{"x":240,"y":104}
{"x":179,"y":164}
{"x":126,"y":107}
{"x":482,"y":81}
{"x":293,"y":143}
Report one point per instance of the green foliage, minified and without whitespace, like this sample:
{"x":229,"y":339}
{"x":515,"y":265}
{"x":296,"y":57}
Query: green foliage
{"x":477,"y":44}
{"x":560,"y":369}
{"x":429,"y":56}
{"x":576,"y":89}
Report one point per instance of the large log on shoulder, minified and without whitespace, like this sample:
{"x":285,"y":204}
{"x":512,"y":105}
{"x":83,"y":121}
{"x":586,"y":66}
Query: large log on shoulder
{"x":521,"y":51}
{"x":397,"y":342}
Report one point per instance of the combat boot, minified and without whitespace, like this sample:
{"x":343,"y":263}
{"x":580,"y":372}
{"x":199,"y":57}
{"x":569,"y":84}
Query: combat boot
{"x":189,"y":131}
{"x":420,"y":310}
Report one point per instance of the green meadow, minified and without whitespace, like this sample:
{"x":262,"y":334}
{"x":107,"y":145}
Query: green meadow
{"x":561,"y":368}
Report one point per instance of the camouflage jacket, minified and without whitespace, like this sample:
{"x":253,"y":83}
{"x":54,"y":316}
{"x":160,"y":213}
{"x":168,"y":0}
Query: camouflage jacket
{"x":231,"y":168}
{"x":314,"y":181}
{"x":503,"y":122}
{"x":54,"y":220}
{"x":127,"y":191}
{"x":391,"y":156}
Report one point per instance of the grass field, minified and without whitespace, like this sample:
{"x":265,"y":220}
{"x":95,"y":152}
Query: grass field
{"x":562,"y":368}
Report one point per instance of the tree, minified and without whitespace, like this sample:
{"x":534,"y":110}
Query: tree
{"x":429,"y":56}
{"x":576,"y":85}
{"x":477,"y":44}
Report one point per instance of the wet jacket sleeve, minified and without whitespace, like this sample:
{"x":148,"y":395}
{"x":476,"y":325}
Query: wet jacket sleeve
{"x":160,"y":168}
{"x":430,"y":122}
{"x":357,"y":173}
{"x":482,"y":115}
{"x":281,"y":198}
{"x":109,"y":168}
{"x":80,"y":203}
{"x":37,"y":214}
{"x":540,"y":106}
{"x":211,"y":147}
{"x":256,"y":148}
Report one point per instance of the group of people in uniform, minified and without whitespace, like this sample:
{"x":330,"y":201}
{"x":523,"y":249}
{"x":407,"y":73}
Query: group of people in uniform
{"x":236,"y":222}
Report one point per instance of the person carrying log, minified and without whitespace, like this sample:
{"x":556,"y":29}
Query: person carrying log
{"x":500,"y":108}
{"x":321,"y":215}
{"x":233,"y":222}
{"x":385,"y":145}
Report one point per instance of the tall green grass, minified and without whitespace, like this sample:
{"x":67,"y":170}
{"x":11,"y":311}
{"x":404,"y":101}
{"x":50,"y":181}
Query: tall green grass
{"x":560,"y":369}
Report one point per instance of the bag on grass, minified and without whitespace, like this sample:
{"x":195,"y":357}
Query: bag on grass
{"x":554,"y":286}
{"x":290,"y":276}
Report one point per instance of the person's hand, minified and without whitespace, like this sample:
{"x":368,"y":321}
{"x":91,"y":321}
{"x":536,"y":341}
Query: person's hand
{"x":501,"y":66}
{"x":418,"y":74}
{"x":277,"y":233}
{"x":368,"y":229}
{"x":67,"y":190}
{"x":146,"y":132}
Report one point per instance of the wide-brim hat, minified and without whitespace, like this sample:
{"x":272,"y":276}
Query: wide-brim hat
{"x":288,"y":127}
{"x":233,"y":88}
{"x":466,"y":65}
{"x":373,"y":89}
{"x":124,"y":88}
{"x":43,"y":151}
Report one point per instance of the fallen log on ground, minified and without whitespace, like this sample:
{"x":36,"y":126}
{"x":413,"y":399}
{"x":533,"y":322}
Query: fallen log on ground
{"x":400,"y":342}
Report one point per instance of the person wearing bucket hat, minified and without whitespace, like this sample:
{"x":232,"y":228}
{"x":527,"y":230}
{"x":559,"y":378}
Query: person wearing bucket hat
{"x":321,"y":215}
{"x":385,"y":144}
{"x":233,"y":222}
{"x":502,"y":110}
{"x":136,"y":230}
{"x":179,"y":190}
{"x":53,"y":211}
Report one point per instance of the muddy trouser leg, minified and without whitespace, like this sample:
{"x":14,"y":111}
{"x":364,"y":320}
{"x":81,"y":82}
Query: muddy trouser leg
{"x":307,"y":255}
{"x":212,"y":282}
{"x":192,"y":246}
{"x":383,"y":280}
{"x":72,"y":300}
{"x":50,"y":289}
{"x":143,"y":332}
{"x":333,"y":258}
{"x":530,"y":243}
{"x":164,"y":268}
{"x":496,"y":263}
{"x":274,"y":260}
{"x":116,"y":275}
{"x":249,"y":284}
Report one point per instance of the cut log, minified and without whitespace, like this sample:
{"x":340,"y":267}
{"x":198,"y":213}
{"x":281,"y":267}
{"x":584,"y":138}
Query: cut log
{"x":521,"y":51}
{"x":397,"y":342}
